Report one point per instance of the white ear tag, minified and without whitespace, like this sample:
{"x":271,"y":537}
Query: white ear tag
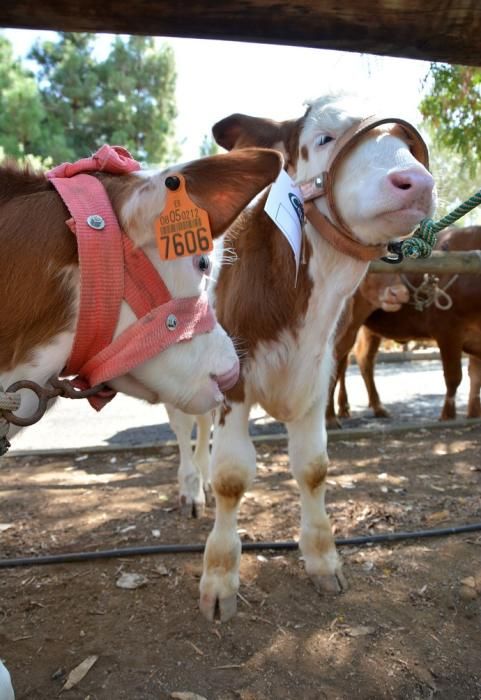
{"x":285,"y":207}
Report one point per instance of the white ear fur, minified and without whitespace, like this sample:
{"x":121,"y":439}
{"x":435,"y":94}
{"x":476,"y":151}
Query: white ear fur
{"x":143,"y":206}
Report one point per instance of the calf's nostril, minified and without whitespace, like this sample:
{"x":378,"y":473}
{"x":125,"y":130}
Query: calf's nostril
{"x":411,"y":179}
{"x":401,"y":181}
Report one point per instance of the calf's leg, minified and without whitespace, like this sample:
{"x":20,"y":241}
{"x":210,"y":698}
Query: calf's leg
{"x":366,"y":349}
{"x":190,"y":478}
{"x":451,"y":353}
{"x":474,"y":371}
{"x":309,"y":461}
{"x":232,"y":470}
{"x":202,"y":452}
{"x":343,"y":408}
{"x":332,"y":421}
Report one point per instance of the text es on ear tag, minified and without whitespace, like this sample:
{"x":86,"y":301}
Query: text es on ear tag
{"x":182,"y":229}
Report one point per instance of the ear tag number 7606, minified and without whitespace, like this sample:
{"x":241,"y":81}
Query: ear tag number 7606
{"x":183,"y":228}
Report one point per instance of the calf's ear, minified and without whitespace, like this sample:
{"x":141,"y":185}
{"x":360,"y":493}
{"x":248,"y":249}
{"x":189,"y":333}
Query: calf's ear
{"x":241,"y":131}
{"x":224,"y":184}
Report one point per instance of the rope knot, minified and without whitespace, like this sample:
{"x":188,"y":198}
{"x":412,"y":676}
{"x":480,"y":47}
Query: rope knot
{"x":422,"y":242}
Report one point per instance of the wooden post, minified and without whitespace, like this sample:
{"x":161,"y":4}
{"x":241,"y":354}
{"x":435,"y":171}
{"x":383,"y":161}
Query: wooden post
{"x":466,"y":262}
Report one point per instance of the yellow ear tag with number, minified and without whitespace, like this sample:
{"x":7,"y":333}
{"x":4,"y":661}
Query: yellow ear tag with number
{"x":183,"y":228}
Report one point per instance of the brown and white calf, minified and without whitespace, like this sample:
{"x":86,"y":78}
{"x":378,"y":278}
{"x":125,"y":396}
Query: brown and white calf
{"x":285,"y":326}
{"x":377,"y":291}
{"x":40,"y":285}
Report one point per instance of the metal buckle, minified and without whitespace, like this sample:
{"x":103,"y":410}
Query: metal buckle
{"x":395,"y":256}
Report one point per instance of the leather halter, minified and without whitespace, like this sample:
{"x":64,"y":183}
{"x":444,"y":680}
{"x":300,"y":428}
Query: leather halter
{"x":337,"y":232}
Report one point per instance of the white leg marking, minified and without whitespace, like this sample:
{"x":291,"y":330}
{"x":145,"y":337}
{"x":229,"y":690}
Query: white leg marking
{"x":202,"y":450}
{"x":191,"y":492}
{"x":309,"y":462}
{"x":232,"y":471}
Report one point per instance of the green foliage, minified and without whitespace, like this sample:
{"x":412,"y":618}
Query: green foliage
{"x":451,"y":109}
{"x":455,"y":182}
{"x":75,"y":103}
{"x":33,"y":162}
{"x":21,"y":109}
{"x":68,"y":84}
{"x":136,"y":105}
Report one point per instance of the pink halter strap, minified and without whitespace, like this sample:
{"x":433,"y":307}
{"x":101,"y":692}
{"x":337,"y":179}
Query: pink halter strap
{"x":112,"y":270}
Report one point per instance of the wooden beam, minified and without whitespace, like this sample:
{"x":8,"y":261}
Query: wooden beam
{"x":438,"y":264}
{"x":424,"y":29}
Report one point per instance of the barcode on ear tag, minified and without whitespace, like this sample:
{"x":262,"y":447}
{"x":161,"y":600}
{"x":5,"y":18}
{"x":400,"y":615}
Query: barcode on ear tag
{"x":182,"y":229}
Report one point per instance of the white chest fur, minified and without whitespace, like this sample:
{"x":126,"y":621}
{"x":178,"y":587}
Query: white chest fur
{"x":287,"y":375}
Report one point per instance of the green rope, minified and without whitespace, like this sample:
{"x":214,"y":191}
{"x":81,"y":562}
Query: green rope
{"x":421,"y":244}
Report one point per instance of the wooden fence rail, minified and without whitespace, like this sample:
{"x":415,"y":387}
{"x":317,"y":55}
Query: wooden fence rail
{"x":439,"y":263}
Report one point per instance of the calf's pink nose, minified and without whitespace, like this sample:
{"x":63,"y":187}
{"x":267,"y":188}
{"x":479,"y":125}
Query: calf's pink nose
{"x":413,"y":179}
{"x":228,"y":379}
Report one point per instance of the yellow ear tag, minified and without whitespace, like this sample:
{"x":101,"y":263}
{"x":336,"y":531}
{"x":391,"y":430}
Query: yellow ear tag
{"x":182,"y":228}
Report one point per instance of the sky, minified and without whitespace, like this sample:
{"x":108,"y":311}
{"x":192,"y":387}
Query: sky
{"x":217,"y":78}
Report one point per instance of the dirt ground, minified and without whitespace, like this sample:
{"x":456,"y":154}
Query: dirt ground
{"x":409,"y":627}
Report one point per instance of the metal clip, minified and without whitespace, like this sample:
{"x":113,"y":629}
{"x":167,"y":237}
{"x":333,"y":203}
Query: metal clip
{"x":395,"y":256}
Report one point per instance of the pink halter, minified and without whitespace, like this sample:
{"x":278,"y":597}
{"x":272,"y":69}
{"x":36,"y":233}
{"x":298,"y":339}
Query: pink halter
{"x":112,"y":270}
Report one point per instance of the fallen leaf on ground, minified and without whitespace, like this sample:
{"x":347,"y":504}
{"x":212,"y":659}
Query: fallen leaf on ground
{"x":469,"y":581}
{"x":360,"y":631}
{"x":438,"y":516}
{"x":162,"y":570}
{"x":131,"y":581}
{"x":187,"y":696}
{"x":79,"y":672}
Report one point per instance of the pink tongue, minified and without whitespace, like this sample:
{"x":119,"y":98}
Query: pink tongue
{"x":227,"y":380}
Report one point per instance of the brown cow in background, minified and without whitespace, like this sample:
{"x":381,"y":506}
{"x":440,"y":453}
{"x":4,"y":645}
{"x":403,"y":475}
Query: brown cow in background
{"x":383,"y":291}
{"x":456,"y":329}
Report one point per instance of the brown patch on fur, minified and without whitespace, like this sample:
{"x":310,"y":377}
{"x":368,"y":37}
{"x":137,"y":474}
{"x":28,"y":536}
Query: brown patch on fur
{"x":315,"y":474}
{"x":225,"y":184}
{"x":241,"y":131}
{"x":237,"y":393}
{"x":305,"y":153}
{"x":221,"y":561}
{"x":256,"y":297}
{"x":36,"y":246}
{"x":120,"y":189}
{"x":224,"y":412}
{"x":318,"y":543}
{"x":229,"y":485}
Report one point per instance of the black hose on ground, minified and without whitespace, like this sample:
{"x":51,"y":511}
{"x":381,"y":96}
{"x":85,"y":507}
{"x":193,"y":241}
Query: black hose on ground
{"x":246,"y":547}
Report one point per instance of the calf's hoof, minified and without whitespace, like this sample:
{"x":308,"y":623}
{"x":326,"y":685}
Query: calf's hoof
{"x":333,"y":424}
{"x":474,"y":409}
{"x":381,"y":413}
{"x":214,"y":608}
{"x":449,"y":410}
{"x":332,"y":584}
{"x":190,"y":508}
{"x":209,"y":495}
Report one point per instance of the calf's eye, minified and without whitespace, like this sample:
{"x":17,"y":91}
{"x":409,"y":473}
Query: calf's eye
{"x":322,"y":140}
{"x":203,"y":263}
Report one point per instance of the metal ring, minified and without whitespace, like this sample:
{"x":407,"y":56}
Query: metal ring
{"x":42,"y":393}
{"x":395,"y":256}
